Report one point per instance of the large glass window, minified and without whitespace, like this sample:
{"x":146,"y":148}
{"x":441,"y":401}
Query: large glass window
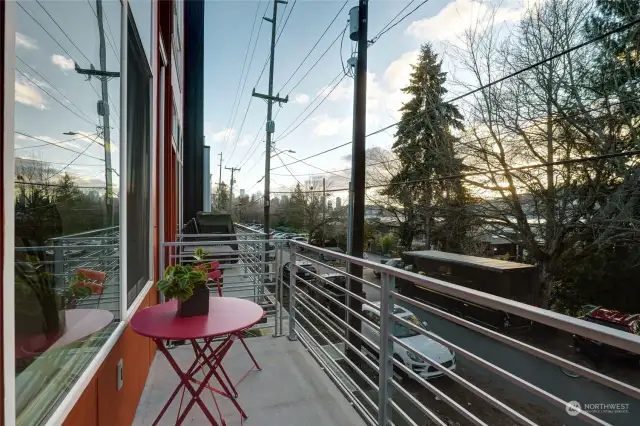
{"x":67,"y":183}
{"x":138,"y":165}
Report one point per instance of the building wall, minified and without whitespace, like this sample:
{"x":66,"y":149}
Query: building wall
{"x":101,"y":403}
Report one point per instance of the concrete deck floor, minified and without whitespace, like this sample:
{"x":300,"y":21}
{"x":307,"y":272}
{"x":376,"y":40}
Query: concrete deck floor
{"x":291,"y":389}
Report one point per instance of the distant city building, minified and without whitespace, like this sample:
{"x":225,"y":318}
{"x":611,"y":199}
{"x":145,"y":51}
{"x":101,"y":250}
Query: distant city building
{"x":330,"y":205}
{"x":242,"y":192}
{"x":338,"y":202}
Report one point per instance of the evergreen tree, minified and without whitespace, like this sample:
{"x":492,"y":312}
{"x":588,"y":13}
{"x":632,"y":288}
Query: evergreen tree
{"x":425,"y":147}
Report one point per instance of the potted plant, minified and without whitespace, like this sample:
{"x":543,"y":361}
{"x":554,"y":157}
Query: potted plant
{"x":187,"y":284}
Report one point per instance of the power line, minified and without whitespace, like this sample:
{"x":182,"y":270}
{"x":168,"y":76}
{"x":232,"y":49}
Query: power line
{"x":287,"y":132}
{"x":45,"y":30}
{"x":314,"y":46}
{"x":56,"y":99}
{"x":280,"y":29}
{"x":56,"y":145}
{"x":286,"y":20}
{"x":317,"y":61}
{"x":109,"y":28}
{"x":253,"y":145}
{"x":236,"y":100}
{"x":63,"y":31}
{"x":64,"y":141}
{"x":387,"y":28}
{"x":569,"y":50}
{"x":497,"y":171}
{"x":73,"y":160}
{"x":53,"y":87}
{"x":292,"y":175}
{"x":529,"y":67}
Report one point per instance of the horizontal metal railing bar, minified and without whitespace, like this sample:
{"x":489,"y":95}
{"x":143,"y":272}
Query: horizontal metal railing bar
{"x":364,"y":413}
{"x":524,"y":347}
{"x":613,"y":337}
{"x":340,"y":271}
{"x":559,"y":402}
{"x":458,"y":379}
{"x":63,"y":248}
{"x":443,"y":396}
{"x":343,"y":289}
{"x":352,"y":311}
{"x":356,"y":368}
{"x":358,"y":333}
{"x":107,"y":229}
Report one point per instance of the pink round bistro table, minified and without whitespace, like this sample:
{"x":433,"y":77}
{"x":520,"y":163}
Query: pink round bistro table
{"x":227,"y":318}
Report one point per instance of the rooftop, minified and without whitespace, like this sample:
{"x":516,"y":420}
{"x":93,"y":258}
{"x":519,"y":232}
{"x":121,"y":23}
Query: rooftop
{"x":481,"y":262}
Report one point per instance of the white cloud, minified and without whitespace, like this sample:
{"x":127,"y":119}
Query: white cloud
{"x":330,"y":126}
{"x":25,"y":41}
{"x":301,"y":99}
{"x":223,"y":134}
{"x":62,"y":62}
{"x":27,"y":93}
{"x":397,"y":73}
{"x":344,"y":90}
{"x":456,"y":17}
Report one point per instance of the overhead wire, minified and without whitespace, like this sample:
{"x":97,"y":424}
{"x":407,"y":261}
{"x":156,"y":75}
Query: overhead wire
{"x":236,"y":99}
{"x":64,"y":141}
{"x":502,"y":171}
{"x":387,"y":28}
{"x":326,"y":94}
{"x":281,"y":26}
{"x":56,"y":144}
{"x":314,"y":46}
{"x":56,"y":99}
{"x":53,"y":86}
{"x":485,"y":86}
{"x":317,"y":61}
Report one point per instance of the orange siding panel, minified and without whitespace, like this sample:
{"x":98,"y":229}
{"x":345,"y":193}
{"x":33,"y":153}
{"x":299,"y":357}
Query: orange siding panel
{"x":85,"y":411}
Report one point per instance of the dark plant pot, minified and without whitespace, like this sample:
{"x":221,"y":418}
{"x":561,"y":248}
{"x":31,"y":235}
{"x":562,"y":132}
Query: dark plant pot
{"x":198,"y":304}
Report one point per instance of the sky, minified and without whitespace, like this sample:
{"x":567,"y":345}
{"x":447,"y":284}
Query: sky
{"x":227,"y":38}
{"x":56,"y":117}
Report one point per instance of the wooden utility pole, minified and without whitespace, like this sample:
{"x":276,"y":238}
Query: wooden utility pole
{"x":233,"y":169}
{"x":358,"y":169}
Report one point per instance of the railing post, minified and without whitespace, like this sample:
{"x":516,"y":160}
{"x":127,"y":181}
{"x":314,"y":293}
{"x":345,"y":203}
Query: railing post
{"x":279,"y":290}
{"x":386,"y":349}
{"x":293,"y":270}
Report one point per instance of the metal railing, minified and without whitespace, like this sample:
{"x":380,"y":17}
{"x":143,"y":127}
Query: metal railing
{"x":62,"y":256}
{"x":249,"y":265}
{"x":317,"y":318}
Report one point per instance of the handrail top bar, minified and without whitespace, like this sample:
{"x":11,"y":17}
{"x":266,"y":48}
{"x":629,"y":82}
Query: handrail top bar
{"x":611,"y":336}
{"x":85,"y":233}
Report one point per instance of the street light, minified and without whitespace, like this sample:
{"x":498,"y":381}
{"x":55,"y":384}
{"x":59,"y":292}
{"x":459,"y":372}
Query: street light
{"x":71,"y":133}
{"x":289,"y":151}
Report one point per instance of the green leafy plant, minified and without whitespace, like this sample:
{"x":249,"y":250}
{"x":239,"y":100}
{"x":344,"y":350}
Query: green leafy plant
{"x":180,"y":280}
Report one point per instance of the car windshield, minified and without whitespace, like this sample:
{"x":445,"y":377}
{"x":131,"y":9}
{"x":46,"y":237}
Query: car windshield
{"x":401,"y":331}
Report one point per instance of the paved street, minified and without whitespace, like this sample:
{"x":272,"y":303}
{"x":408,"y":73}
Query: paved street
{"x":543,"y":374}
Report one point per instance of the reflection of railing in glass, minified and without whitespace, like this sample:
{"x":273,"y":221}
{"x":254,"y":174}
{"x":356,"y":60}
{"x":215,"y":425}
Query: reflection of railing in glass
{"x":96,"y":250}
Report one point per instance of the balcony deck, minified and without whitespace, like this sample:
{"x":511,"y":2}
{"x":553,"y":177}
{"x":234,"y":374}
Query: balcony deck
{"x":291,"y":389}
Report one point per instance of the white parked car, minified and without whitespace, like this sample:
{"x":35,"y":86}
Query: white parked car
{"x":412,"y":338}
